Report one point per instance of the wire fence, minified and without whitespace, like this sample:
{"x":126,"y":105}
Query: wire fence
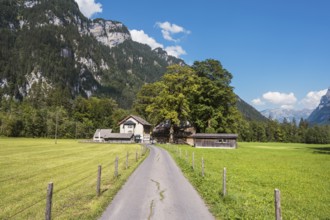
{"x":197,"y":165}
{"x":80,"y":188}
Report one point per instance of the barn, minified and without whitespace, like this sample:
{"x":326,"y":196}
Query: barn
{"x":214,"y":140}
{"x":120,"y":138}
{"x":101,"y":134}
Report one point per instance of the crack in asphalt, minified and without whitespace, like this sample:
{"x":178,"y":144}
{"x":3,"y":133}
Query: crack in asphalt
{"x":161,"y":193}
{"x":157,"y":183}
{"x":162,"y":196}
{"x":151,"y":209}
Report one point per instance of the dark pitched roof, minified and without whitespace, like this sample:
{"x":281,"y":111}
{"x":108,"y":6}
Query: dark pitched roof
{"x":137,"y":118}
{"x":214,"y":136}
{"x":102,"y":132}
{"x":120,"y":136}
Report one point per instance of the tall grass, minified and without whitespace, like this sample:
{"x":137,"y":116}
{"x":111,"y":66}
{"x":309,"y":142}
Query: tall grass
{"x":28,"y":165}
{"x":254,"y":170}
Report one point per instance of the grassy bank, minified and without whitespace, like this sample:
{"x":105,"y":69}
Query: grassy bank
{"x":254,"y":170}
{"x":28,"y":165}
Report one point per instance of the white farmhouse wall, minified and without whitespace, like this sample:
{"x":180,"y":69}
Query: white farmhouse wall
{"x":137,"y":130}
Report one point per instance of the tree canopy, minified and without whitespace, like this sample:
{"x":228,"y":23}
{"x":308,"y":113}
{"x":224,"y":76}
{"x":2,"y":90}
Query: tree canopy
{"x":200,"y":95}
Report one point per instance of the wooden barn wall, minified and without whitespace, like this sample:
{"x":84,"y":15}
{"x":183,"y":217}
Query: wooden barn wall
{"x":214,"y":143}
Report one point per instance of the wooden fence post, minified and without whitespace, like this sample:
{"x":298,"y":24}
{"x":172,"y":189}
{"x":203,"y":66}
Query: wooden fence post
{"x":116,"y":167}
{"x":127,"y":160}
{"x":278,"y":214}
{"x":144,"y":149}
{"x":193,"y":160}
{"x":202,"y":167}
{"x":98,"y":182}
{"x":48,"y":212}
{"x":186,"y":156}
{"x":224,"y":187}
{"x":136,"y":156}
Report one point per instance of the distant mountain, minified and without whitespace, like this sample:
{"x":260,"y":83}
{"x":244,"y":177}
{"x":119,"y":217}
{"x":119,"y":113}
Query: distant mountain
{"x":248,"y":111}
{"x":289,"y":114}
{"x":321,"y":115}
{"x":48,"y":47}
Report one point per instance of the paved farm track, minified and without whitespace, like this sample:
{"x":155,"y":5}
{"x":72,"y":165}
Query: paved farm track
{"x":157,"y":190}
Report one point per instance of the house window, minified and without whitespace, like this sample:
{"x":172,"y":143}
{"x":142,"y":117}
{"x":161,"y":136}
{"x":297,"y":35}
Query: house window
{"x":129,"y":126}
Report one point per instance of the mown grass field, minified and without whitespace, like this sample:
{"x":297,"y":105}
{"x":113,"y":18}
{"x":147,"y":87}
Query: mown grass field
{"x":301,"y":172}
{"x":28,"y":165}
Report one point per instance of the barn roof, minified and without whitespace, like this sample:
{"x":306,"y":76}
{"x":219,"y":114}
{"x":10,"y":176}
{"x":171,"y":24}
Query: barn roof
{"x":120,"y":136}
{"x":102,"y":132}
{"x":214,"y":136}
{"x":137,"y":118}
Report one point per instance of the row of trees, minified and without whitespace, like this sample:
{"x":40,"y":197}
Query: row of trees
{"x":293,"y":132}
{"x":78,"y":119}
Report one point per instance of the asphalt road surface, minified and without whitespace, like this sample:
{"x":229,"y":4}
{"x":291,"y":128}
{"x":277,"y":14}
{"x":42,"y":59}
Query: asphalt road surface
{"x":157,"y":190}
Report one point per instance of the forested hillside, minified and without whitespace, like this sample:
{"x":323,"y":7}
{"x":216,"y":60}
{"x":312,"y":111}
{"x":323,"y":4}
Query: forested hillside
{"x":49,"y":47}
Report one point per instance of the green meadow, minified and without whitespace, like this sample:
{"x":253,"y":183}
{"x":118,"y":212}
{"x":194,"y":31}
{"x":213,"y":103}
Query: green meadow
{"x":301,"y":172}
{"x":28,"y":165}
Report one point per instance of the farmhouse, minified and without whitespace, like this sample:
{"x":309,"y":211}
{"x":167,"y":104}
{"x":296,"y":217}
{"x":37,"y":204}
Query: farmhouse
{"x":137,"y":126}
{"x":213,"y":140}
{"x":101,"y":134}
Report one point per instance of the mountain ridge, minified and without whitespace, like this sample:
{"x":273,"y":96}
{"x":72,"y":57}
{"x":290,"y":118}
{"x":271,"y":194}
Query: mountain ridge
{"x":280,"y":114}
{"x":321,"y":115}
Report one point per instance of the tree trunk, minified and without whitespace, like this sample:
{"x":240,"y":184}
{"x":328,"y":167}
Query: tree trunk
{"x":171,"y":134}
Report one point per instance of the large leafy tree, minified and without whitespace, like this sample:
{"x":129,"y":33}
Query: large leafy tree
{"x":173,"y":102}
{"x":145,"y":97}
{"x":200,"y":94}
{"x":214,"y":107}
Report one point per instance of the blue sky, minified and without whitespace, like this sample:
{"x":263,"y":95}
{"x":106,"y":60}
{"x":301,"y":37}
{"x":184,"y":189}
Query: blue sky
{"x":277,"y":50}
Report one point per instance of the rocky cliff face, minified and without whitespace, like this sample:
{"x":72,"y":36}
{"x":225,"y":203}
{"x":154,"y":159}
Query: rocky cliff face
{"x":109,"y":33}
{"x":321,"y":115}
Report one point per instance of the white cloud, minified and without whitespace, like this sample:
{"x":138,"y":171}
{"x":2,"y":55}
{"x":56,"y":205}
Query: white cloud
{"x":168,"y":30}
{"x":89,"y":7}
{"x":280,"y":98}
{"x":258,"y":102}
{"x":312,"y":99}
{"x":175,"y":51}
{"x":141,"y":37}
